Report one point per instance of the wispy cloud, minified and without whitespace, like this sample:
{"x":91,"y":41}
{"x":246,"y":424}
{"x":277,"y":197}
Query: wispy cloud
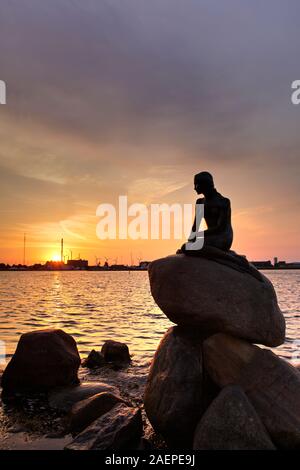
{"x":134,"y":97}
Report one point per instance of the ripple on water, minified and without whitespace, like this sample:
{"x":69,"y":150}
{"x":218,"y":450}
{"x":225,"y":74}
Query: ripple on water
{"x":96,"y":306}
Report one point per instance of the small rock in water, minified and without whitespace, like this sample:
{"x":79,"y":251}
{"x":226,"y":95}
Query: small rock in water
{"x":63,"y":398}
{"x":86,"y":411}
{"x":271,"y":384}
{"x":116,"y":352}
{"x":231,"y":423}
{"x":119,"y":429}
{"x":94,"y":359}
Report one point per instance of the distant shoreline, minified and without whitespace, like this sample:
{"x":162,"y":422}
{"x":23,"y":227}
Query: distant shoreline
{"x":92,"y":268}
{"x":136,"y":269}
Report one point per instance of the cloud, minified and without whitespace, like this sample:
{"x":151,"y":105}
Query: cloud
{"x":132,"y":96}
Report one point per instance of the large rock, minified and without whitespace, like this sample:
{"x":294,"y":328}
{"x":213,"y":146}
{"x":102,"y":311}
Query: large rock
{"x":271,"y":384}
{"x":200,"y":292}
{"x":43,"y":359}
{"x":119,"y":429}
{"x":86,"y":411}
{"x":231,"y":423}
{"x":64,"y":398}
{"x":174,"y":397}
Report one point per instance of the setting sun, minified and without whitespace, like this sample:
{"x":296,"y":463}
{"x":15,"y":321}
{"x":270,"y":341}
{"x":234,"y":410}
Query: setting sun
{"x":55,"y":257}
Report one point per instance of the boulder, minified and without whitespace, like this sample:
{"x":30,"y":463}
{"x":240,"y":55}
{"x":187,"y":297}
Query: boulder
{"x":94,"y":359}
{"x":119,"y":429}
{"x":116,"y":352}
{"x":63,"y":398}
{"x":231,"y":423}
{"x":86,"y":411}
{"x":271,"y":384}
{"x":44,"y":359}
{"x":174,"y":396}
{"x":200,"y":292}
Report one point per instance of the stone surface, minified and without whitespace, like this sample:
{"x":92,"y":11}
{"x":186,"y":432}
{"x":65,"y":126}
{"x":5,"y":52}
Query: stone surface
{"x":63,"y":398}
{"x":174,"y":396}
{"x":94,"y":359}
{"x":43,"y":360}
{"x":119,"y":429}
{"x":231,"y":423}
{"x":271,"y":384}
{"x":200,"y":292}
{"x":116,"y":352}
{"x":86,"y":411}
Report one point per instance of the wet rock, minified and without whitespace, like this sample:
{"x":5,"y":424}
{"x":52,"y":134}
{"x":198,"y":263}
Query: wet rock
{"x":119,"y":429}
{"x":86,"y":411}
{"x":116,"y":352}
{"x":16,"y":429}
{"x":201,"y":292}
{"x":174,"y":397}
{"x":144,"y":444}
{"x":231,"y":423}
{"x":44,"y":359}
{"x":271,"y":384}
{"x":64,"y":398}
{"x":94,"y":359}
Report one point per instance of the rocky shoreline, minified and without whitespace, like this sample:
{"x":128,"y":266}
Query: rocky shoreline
{"x":208,"y":388}
{"x":49,"y":420}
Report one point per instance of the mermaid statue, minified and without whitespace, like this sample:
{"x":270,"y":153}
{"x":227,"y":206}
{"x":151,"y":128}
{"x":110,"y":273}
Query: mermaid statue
{"x":215,"y":242}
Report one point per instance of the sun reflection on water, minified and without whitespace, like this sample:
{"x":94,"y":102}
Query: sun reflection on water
{"x":96,"y":306}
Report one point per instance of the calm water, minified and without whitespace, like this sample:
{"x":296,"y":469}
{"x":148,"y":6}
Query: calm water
{"x":95,"y":306}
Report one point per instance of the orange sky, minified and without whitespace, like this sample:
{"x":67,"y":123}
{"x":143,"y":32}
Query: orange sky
{"x":134,"y":98}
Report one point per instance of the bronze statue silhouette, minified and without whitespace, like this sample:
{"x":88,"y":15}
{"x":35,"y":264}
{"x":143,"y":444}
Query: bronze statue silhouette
{"x":218,"y":236}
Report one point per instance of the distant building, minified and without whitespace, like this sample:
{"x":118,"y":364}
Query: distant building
{"x":262,"y":264}
{"x":54,"y":265}
{"x":118,"y":267}
{"x":285,"y":265}
{"x":78,"y":263}
{"x":280,"y":264}
{"x":144,"y":264}
{"x":37,"y":267}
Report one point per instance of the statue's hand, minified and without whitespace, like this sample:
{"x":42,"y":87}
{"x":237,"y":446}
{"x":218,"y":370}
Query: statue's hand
{"x":181,"y":250}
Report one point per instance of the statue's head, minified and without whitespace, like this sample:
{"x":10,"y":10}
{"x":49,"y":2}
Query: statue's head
{"x":204,"y":182}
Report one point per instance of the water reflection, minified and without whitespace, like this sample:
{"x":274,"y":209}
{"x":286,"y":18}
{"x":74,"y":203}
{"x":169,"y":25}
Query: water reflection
{"x":91,"y":306}
{"x":95,"y":306}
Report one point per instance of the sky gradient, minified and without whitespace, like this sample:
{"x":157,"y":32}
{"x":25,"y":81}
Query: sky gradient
{"x":133,"y":97}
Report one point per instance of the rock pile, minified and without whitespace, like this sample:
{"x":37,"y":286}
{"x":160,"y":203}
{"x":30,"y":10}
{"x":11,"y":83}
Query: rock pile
{"x":46,"y":363}
{"x":112,"y":352}
{"x":209,"y":387}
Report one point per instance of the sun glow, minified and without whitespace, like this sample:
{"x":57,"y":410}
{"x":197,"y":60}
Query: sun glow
{"x":55,"y":257}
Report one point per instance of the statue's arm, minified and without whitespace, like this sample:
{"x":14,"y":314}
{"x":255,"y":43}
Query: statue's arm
{"x":197,"y":221}
{"x":192,"y":236}
{"x":195,"y":227}
{"x":223,"y":220}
